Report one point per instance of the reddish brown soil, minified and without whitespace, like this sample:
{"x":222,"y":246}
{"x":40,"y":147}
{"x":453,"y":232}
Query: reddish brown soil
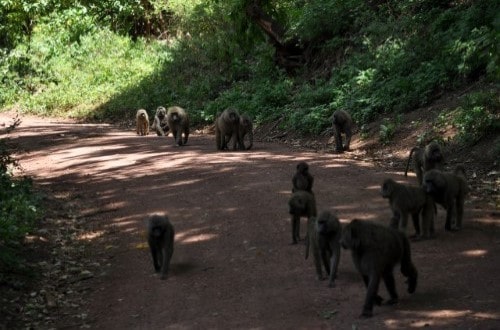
{"x":233,"y":265}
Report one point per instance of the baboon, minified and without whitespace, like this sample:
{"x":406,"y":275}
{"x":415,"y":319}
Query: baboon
{"x":405,"y":200}
{"x":160,"y":125}
{"x":323,"y":237}
{"x":245,"y":129}
{"x":227,"y":126}
{"x":178,"y":122}
{"x":301,"y":204}
{"x":142,"y":122}
{"x":342,"y":123}
{"x":376,"y":250}
{"x":302,"y":179}
{"x":448,"y":190}
{"x":161,"y":242}
{"x":425,"y":159}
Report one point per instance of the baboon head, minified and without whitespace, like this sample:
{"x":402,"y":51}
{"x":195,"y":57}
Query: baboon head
{"x":388,"y":188}
{"x":350,"y":238}
{"x":327,"y":223}
{"x":161,"y":112}
{"x":433,"y":152}
{"x":434,"y":182}
{"x":302,"y":167}
{"x":232,"y":116}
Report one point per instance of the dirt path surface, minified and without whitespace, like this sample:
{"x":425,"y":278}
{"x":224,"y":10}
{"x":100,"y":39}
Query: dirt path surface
{"x":233,"y":265}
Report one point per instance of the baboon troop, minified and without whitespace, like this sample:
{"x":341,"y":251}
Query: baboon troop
{"x":245,"y":131}
{"x":448,"y":190}
{"x":160,"y":125}
{"x":227,"y":126}
{"x":301,"y":204}
{"x":178,"y":123}
{"x":323,"y":238}
{"x":161,"y":243}
{"x":302,"y":180}
{"x":142,"y":122}
{"x":425,"y":159}
{"x":342,"y":124}
{"x":407,"y":200}
{"x":376,"y":250}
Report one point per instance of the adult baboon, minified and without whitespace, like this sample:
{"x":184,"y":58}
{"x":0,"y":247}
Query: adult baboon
{"x":142,"y":122}
{"x":405,"y":200}
{"x":448,"y":190}
{"x":161,"y":243}
{"x":342,"y":123}
{"x":178,"y":122}
{"x":301,"y":204}
{"x":425,"y":159}
{"x":323,"y":237}
{"x":160,"y":125}
{"x":302,"y":179}
{"x":376,"y":250}
{"x":227,"y":126}
{"x":245,"y":130}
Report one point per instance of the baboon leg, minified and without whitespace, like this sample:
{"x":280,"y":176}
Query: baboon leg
{"x":326,"y":261}
{"x":428,"y":221}
{"x":317,"y":261}
{"x":334,"y":264}
{"x":155,"y":255}
{"x":295,"y":229}
{"x":450,"y":210}
{"x":186,"y":135}
{"x":396,"y":216}
{"x":404,"y":221}
{"x":371,"y":295}
{"x":390,"y":284}
{"x":338,"y":141}
{"x":416,"y":223}
{"x":378,"y":299}
{"x":420,"y":174}
{"x":348,"y":135}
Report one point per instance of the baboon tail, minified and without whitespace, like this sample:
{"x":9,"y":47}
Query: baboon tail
{"x":409,"y":159}
{"x":408,"y":269}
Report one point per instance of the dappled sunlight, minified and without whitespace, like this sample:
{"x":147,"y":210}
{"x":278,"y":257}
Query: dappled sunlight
{"x":474,"y":253}
{"x":184,"y":182}
{"x":444,"y":317}
{"x":89,"y":236}
{"x":197,"y":238}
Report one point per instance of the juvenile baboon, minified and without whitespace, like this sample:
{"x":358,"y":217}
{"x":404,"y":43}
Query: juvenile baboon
{"x":405,"y":200}
{"x":376,"y":250}
{"x":425,"y":159}
{"x":227,"y":128}
{"x":448,"y":190}
{"x":245,"y":130}
{"x":323,"y":237}
{"x":161,"y":243}
{"x":301,"y":204}
{"x":160,"y":125}
{"x":142,"y":122}
{"x":178,"y":122}
{"x":342,"y":123}
{"x":302,"y":179}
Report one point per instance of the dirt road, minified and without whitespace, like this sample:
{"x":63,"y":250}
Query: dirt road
{"x":233,"y":265}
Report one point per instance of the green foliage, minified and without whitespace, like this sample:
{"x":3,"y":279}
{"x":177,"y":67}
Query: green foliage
{"x":388,"y":129}
{"x":478,"y":115}
{"x":18,"y":210}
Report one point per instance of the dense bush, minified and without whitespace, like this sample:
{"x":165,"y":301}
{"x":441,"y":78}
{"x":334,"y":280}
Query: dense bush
{"x":18,"y":211}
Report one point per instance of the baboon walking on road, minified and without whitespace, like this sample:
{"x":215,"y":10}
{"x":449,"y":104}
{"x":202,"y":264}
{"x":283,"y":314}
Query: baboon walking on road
{"x":301,"y":204}
{"x":161,"y":243}
{"x":342,"y":124}
{"x":376,"y":250}
{"x":160,"y":123}
{"x":407,"y":200}
{"x":227,"y":128}
{"x":178,"y":122}
{"x":425,"y":159}
{"x":302,"y":179}
{"x":142,"y":122}
{"x":323,"y":238}
{"x":448,"y":190}
{"x":245,"y":130}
